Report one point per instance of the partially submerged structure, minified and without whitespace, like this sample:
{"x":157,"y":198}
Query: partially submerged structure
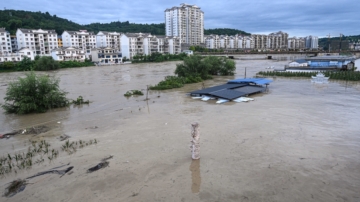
{"x":321,"y":62}
{"x":232,"y":90}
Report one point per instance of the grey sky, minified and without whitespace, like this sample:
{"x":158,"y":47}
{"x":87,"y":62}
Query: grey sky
{"x":296,"y":17}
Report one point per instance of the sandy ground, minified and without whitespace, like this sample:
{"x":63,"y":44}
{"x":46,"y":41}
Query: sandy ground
{"x":297,"y":142}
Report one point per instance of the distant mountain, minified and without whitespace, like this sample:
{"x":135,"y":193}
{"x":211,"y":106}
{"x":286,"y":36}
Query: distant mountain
{"x":13,"y":19}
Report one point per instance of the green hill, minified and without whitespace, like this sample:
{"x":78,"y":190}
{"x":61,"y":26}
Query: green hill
{"x":224,"y":31}
{"x":13,"y":19}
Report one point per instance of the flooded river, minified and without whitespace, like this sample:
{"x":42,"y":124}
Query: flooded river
{"x":297,"y":142}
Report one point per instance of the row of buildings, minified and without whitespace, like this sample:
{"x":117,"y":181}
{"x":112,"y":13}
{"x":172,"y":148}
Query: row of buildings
{"x":82,"y":44}
{"x":187,"y":22}
{"x":273,"y":41}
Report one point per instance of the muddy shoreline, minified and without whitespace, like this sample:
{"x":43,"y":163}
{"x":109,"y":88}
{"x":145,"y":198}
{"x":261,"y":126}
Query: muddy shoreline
{"x":297,"y":142}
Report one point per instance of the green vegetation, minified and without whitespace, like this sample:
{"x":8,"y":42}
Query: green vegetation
{"x":133,"y":92}
{"x":14,"y":19}
{"x":34,"y":94}
{"x":225,"y":31}
{"x":80,"y":101}
{"x":36,"y":153}
{"x":336,"y":75}
{"x":337,"y":43}
{"x":41,"y":64}
{"x":196,"y":69}
{"x":46,"y":63}
{"x":158,"y":57}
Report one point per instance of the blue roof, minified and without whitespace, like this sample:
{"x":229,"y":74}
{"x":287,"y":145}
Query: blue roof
{"x":258,"y":81}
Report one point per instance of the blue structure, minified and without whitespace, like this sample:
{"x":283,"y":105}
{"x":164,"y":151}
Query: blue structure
{"x":256,"y":81}
{"x":326,"y":61}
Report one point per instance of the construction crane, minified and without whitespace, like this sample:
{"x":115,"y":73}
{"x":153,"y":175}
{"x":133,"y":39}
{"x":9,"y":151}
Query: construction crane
{"x":340,"y":42}
{"x":329,"y":41}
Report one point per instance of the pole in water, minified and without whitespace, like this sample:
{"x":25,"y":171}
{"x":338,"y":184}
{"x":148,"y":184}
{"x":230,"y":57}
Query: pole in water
{"x":195,"y":141}
{"x":245,"y":73}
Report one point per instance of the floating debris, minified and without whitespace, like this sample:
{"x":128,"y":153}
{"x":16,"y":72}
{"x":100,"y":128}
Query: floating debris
{"x":99,"y":166}
{"x":60,"y":172}
{"x":15,"y":187}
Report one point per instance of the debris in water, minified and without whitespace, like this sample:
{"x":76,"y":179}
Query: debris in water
{"x":98,"y":166}
{"x":107,"y":158}
{"x":64,"y":137}
{"x":15,"y":187}
{"x":60,"y":172}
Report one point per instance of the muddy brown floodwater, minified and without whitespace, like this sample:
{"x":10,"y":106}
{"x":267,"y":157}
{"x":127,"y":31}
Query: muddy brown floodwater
{"x":297,"y":142}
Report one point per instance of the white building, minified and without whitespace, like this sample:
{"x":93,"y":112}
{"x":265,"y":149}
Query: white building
{"x":150,"y":44}
{"x":132,"y":44}
{"x":106,"y":55}
{"x":169,"y":44}
{"x":229,"y":42}
{"x":186,"y":22}
{"x":212,"y":42}
{"x":311,"y":42}
{"x":278,"y":40}
{"x":5,"y":41}
{"x":296,"y":43}
{"x":79,"y":39}
{"x":68,"y":54}
{"x":224,"y":42}
{"x":18,"y":56}
{"x":108,"y":39}
{"x":40,"y":41}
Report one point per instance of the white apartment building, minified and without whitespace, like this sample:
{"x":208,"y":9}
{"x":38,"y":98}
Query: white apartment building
{"x":296,"y":43}
{"x":5,"y":41}
{"x":108,"y":39}
{"x":245,"y":42}
{"x":311,"y":42}
{"x":229,"y":42}
{"x":186,"y":22}
{"x":79,"y":39}
{"x":132,"y":44}
{"x":18,"y":56}
{"x":151,"y":44}
{"x":68,"y":54}
{"x":278,"y":40}
{"x":169,"y":44}
{"x":224,"y":42}
{"x":212,"y":42}
{"x":40,"y":41}
{"x":174,"y":44}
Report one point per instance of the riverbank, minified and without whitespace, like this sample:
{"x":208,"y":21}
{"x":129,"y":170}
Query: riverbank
{"x":297,"y":142}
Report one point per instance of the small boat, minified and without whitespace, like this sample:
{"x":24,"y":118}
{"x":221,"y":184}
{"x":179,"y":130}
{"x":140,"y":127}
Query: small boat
{"x":220,"y":101}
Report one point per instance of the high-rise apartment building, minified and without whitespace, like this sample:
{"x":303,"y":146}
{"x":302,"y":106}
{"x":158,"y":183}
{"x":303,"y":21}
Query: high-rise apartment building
{"x":186,"y":22}
{"x":311,"y":42}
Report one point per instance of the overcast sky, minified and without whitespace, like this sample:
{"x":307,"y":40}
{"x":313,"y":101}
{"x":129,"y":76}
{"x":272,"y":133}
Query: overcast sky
{"x":296,"y":17}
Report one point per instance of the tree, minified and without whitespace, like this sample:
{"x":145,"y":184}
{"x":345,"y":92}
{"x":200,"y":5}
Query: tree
{"x":25,"y":64}
{"x":46,"y":63}
{"x":34,"y":94}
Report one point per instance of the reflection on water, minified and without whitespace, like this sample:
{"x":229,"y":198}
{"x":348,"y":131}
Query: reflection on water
{"x":195,"y":176}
